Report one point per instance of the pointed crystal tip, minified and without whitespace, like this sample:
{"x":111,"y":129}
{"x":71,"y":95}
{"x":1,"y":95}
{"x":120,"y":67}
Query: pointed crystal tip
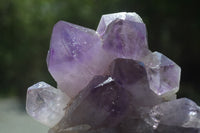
{"x":45,"y":103}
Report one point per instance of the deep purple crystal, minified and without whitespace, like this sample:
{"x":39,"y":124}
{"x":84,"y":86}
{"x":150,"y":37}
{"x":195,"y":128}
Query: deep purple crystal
{"x":103,"y":103}
{"x":132,"y":75}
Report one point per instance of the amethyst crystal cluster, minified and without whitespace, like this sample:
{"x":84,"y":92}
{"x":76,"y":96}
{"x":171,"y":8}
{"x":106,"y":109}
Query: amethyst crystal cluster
{"x":110,"y":82}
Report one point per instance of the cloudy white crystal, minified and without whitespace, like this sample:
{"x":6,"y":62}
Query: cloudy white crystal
{"x":45,"y":103}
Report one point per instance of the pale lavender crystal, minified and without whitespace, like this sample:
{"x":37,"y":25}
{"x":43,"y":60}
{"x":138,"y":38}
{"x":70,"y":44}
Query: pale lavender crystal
{"x":181,"y":113}
{"x":124,"y":35}
{"x":163,"y":74}
{"x":75,"y":56}
{"x":108,"y":18}
{"x":45,"y":103}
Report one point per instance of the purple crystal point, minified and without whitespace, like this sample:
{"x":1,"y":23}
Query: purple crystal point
{"x":132,"y":75}
{"x":163,"y":74}
{"x":75,"y":56}
{"x":124,"y":38}
{"x":124,"y":35}
{"x":108,"y":18}
{"x":103,"y":103}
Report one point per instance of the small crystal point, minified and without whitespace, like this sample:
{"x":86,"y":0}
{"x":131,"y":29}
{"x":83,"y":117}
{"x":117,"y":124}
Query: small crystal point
{"x":102,"y":103}
{"x":124,"y":38}
{"x":75,"y":56}
{"x":45,"y":103}
{"x":180,"y":112}
{"x":132,"y":75}
{"x":163,"y":74}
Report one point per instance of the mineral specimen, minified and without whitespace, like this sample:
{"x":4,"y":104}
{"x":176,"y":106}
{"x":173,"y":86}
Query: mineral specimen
{"x":110,"y":82}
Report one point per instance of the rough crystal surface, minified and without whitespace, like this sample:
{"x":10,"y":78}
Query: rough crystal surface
{"x":112,"y":82}
{"x":163,"y":74}
{"x":45,"y":103}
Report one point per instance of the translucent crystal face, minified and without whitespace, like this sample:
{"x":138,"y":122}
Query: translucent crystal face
{"x":108,"y":18}
{"x":163,"y":74}
{"x":45,"y":103}
{"x":123,"y":41}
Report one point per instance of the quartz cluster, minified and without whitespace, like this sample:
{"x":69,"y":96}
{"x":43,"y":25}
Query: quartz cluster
{"x":110,"y":82}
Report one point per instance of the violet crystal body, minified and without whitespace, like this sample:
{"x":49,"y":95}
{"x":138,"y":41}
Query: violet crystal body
{"x":110,"y":82}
